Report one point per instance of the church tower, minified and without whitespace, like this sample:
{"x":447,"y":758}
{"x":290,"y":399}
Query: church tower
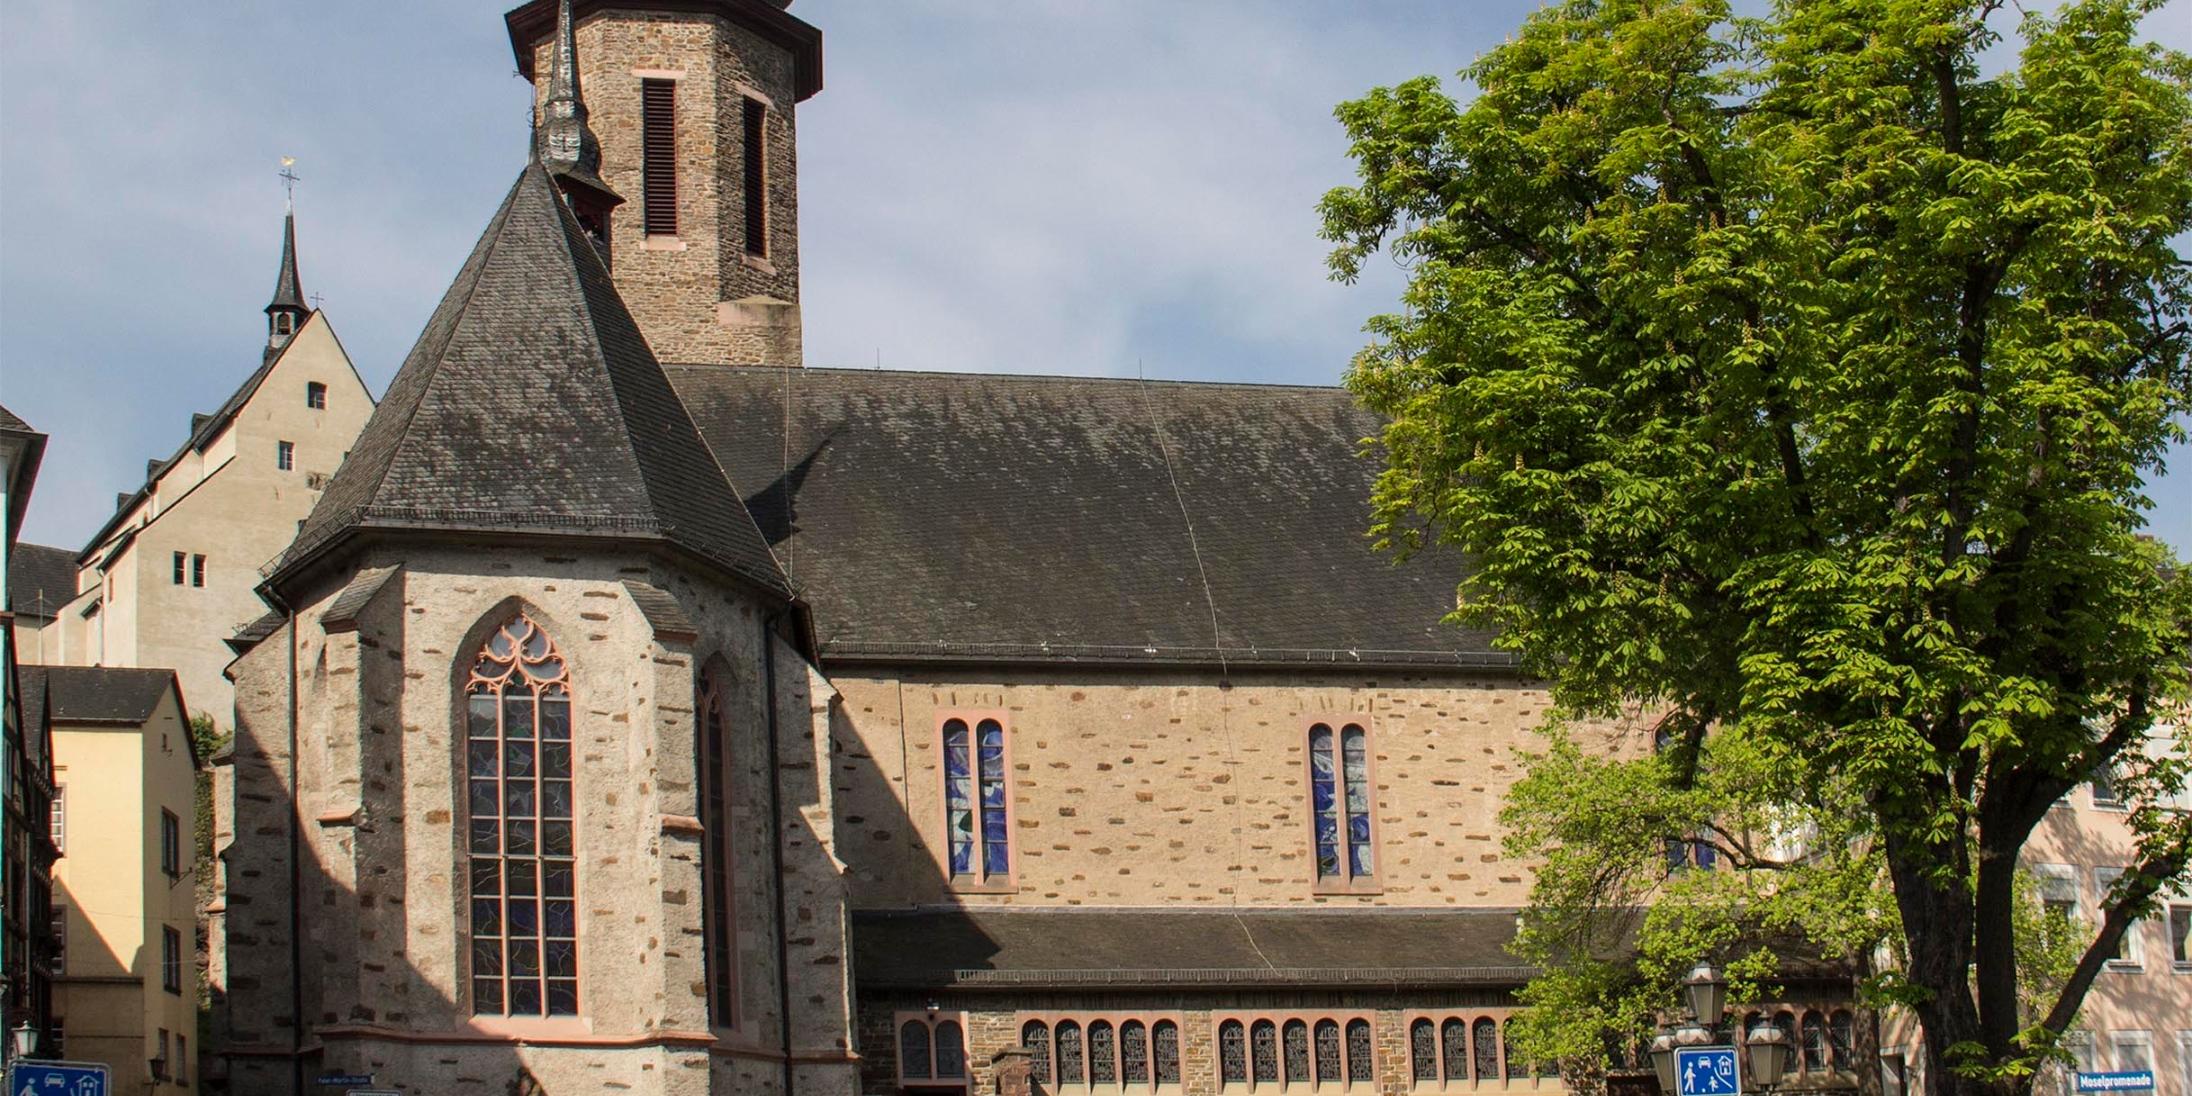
{"x":286,"y":313}
{"x":670,"y":126}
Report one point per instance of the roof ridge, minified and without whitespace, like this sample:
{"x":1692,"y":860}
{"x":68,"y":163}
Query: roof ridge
{"x":857,"y":371}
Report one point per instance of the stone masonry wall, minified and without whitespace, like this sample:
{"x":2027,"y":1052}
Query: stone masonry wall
{"x":698,"y":295}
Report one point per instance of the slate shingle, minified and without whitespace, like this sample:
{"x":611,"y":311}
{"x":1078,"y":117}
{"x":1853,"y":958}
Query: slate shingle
{"x":99,"y":694}
{"x":40,"y":579}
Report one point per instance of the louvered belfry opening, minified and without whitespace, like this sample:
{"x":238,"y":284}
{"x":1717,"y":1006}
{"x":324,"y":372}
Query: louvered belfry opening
{"x":756,"y":178}
{"x":658,"y":135}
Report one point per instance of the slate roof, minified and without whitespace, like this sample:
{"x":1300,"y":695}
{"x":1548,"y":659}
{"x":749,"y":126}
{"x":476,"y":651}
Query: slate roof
{"x":532,"y":405}
{"x":40,"y":579}
{"x":10,"y":421}
{"x":990,"y":517}
{"x":99,"y":694}
{"x":288,"y":295}
{"x":1078,"y":948}
{"x":25,"y":471}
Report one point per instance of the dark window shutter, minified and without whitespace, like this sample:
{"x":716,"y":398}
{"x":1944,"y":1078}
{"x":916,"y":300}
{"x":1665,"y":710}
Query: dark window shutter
{"x":756,"y":178}
{"x":658,"y":156}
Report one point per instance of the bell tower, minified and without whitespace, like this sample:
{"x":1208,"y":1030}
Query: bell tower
{"x":688,"y":120}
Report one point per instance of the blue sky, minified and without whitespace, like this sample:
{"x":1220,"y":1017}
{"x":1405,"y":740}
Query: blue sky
{"x":1037,"y":186}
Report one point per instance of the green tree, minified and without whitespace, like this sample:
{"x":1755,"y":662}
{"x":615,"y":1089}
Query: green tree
{"x":1796,"y":378}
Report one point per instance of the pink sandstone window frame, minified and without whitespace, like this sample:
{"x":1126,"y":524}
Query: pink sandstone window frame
{"x":1279,"y":1021}
{"x":1347,"y":882}
{"x":712,"y":754}
{"x":1469,"y":1018}
{"x":931,"y":1021}
{"x":542,"y":668}
{"x":977,"y":881}
{"x":1049,"y":1083}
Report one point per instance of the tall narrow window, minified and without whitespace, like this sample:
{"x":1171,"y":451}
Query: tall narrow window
{"x":1454,"y":1043}
{"x":1486,"y":1034}
{"x":58,"y":818}
{"x":1263,"y":1051}
{"x":951,"y":1051}
{"x":1103,"y":1054}
{"x":1296,"y":1040}
{"x":197,"y":570}
{"x":1166,"y":1036}
{"x":975,"y":801}
{"x":1069,"y":1053}
{"x":315,"y":395}
{"x":913,"y":1051}
{"x":1232,"y":1052}
{"x":1842,"y":1037}
{"x":1423,"y":1052}
{"x":1035,"y":1036}
{"x":1133,"y":1053}
{"x":171,"y":844}
{"x":179,"y":568}
{"x":753,"y":152}
{"x":171,"y":960}
{"x":1516,"y":1067}
{"x":1328,"y":1050}
{"x":285,"y":455}
{"x":658,"y":156}
{"x":1358,"y":1051}
{"x":718,"y":911}
{"x":518,"y":765}
{"x":1339,"y":790}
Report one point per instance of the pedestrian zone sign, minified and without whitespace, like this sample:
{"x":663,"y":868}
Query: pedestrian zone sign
{"x":1705,"y":1071}
{"x":27,"y":1077}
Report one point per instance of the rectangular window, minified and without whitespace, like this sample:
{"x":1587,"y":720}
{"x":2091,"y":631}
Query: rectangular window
{"x":178,"y":568}
{"x":2180,"y":937}
{"x":1340,"y":805}
{"x":285,"y":455}
{"x":718,"y":907}
{"x":977,"y":801}
{"x":159,"y":1061}
{"x":2126,"y":956}
{"x":315,"y":395}
{"x":171,"y":960}
{"x":57,"y":819}
{"x":197,"y":570}
{"x":182,"y":1059}
{"x":59,"y":934}
{"x":754,"y":161}
{"x":171,"y":844}
{"x":658,"y":156}
{"x":2134,"y":1051}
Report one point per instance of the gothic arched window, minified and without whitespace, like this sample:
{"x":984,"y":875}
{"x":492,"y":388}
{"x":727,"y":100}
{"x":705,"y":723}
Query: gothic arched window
{"x":1454,"y":1042}
{"x":1069,"y":1053}
{"x":1328,"y":1050}
{"x":712,"y":753}
{"x":518,"y":770}
{"x":1296,"y":1040}
{"x":1842,"y":1034}
{"x":1423,"y":1051}
{"x":1166,"y":1036}
{"x":1133,"y":1053}
{"x":1035,"y":1035}
{"x":1263,"y":1051}
{"x":1232,"y":1052}
{"x":1103,"y":1054}
{"x":1339,"y":802}
{"x":1815,"y":1042}
{"x":1358,"y":1050}
{"x":1485,"y":1033}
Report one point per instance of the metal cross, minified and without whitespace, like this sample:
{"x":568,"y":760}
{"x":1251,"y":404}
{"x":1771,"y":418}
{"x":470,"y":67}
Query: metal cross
{"x":289,"y":178}
{"x":316,"y":299}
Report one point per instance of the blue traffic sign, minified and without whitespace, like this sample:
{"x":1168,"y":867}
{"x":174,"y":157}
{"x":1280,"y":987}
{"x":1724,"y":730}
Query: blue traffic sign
{"x":1705,"y":1071}
{"x":2129,"y":1080}
{"x":27,"y":1077}
{"x":346,"y":1080}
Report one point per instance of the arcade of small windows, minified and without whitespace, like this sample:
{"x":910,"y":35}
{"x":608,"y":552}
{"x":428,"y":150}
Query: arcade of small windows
{"x":1288,"y":1052}
{"x":1107,"y":1052}
{"x":1826,"y":1041}
{"x":1458,"y":1049}
{"x":977,"y":802}
{"x":932,"y":1050}
{"x":522,"y":892}
{"x":1340,"y":806}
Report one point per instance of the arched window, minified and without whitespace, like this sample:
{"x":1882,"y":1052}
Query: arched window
{"x":712,"y":752}
{"x":1328,"y":1050}
{"x":1296,"y":1038}
{"x":1516,"y":1066}
{"x":1842,"y":1034}
{"x":1035,"y":1036}
{"x":1485,"y":1034}
{"x":1454,"y":1041}
{"x":1232,"y":1052}
{"x":975,"y":801}
{"x":1786,"y":1021}
{"x":1103,"y":1054}
{"x":951,"y":1051}
{"x":913,"y":1050}
{"x":1423,"y":1051}
{"x":1815,"y":1042}
{"x":1069,"y":1053}
{"x":524,"y":914}
{"x":1166,"y":1035}
{"x":1263,"y":1051}
{"x":1339,"y":802}
{"x":1133,"y":1053}
{"x":1358,"y":1050}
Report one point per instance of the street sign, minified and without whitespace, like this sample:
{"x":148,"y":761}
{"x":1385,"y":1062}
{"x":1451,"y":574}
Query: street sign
{"x":1706,"y":1071}
{"x":2130,"y":1080}
{"x":30,"y":1077}
{"x":345,"y":1080}
{"x":373,"y":1092}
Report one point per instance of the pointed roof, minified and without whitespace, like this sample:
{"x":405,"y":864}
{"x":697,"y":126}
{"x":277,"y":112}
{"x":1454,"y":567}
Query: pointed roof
{"x":288,"y":294}
{"x":566,"y":144}
{"x":532,"y":406}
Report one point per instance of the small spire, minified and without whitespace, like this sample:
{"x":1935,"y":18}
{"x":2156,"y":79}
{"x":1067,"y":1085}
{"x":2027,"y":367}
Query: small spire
{"x":567,"y":146}
{"x":286,"y":312}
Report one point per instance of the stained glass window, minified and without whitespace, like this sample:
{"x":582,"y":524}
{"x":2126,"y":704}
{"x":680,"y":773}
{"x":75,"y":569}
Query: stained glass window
{"x":1035,"y":1035}
{"x":1358,"y":1050}
{"x":1166,"y":1035}
{"x":1328,"y":1050}
{"x":1454,"y":1041}
{"x":1069,"y":1053}
{"x":524,"y":914}
{"x":1815,"y":1043}
{"x":1423,"y":1050}
{"x":1516,"y":1066}
{"x":1103,"y":1054}
{"x":712,"y":751}
{"x":1842,"y":1034}
{"x":1133,"y":1053}
{"x":1296,"y":1039}
{"x":913,"y":1051}
{"x":1340,"y":802}
{"x":1263,"y":1050}
{"x":1486,"y":1036}
{"x":951,"y":1051}
{"x":975,"y":800}
{"x":1232,"y":1052}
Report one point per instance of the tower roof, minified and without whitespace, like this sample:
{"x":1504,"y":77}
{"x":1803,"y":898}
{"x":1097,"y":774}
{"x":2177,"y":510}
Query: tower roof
{"x":288,"y":294}
{"x":532,"y":406}
{"x":565,"y":143}
{"x":528,"y":23}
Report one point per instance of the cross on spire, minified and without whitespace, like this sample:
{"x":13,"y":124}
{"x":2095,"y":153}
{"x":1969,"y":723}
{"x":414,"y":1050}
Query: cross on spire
{"x":316,"y":299}
{"x":289,"y":179}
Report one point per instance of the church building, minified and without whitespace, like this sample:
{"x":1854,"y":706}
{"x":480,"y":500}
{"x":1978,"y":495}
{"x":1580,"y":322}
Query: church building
{"x":642,"y":711}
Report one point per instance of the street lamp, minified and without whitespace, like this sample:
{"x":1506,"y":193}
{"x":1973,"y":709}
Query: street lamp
{"x":1771,"y":1053}
{"x":1707,"y":992}
{"x":25,"y":1038}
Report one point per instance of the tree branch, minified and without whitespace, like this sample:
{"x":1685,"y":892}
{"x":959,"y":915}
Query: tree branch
{"x":2146,"y":880}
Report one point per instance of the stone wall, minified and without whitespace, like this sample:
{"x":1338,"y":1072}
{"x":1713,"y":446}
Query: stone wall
{"x":698,"y":295}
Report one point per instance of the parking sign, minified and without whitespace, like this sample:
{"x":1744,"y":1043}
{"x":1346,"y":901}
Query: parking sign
{"x":1706,"y":1071}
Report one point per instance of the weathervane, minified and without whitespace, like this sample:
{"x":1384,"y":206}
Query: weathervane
{"x":289,"y":179}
